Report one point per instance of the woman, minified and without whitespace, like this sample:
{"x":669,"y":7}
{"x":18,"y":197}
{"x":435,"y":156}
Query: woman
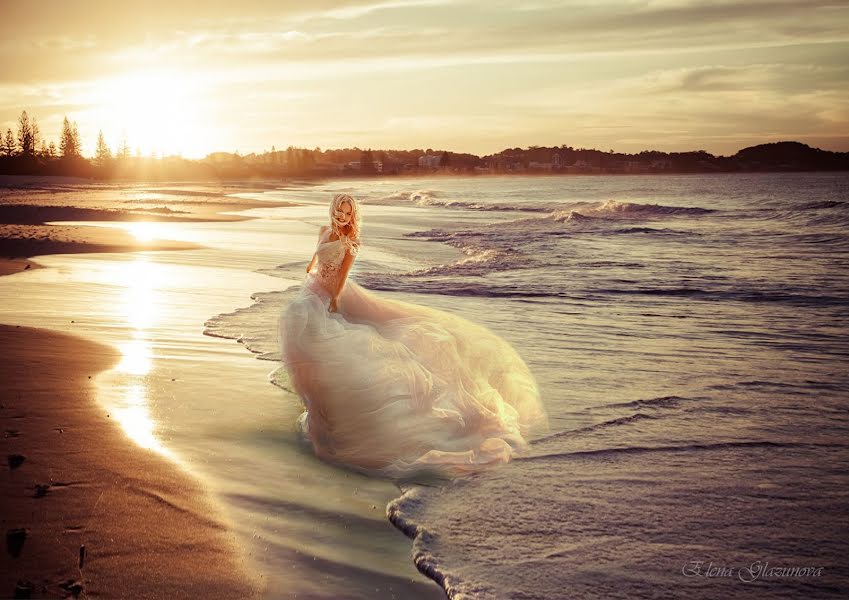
{"x":392,"y":387}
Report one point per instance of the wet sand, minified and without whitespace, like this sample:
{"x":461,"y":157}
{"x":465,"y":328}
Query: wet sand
{"x":74,"y":480}
{"x":29,"y":207}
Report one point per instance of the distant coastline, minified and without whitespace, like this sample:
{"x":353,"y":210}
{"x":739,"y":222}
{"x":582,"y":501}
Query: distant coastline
{"x":305,"y":165}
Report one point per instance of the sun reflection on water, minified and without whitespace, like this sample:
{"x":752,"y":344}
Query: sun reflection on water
{"x":140,"y":309}
{"x":147,"y":231}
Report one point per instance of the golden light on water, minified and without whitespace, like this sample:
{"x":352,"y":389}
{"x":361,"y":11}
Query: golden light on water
{"x":140,"y":295}
{"x":141,"y":308}
{"x":136,"y":421}
{"x":146,"y":231}
{"x":135,"y":358}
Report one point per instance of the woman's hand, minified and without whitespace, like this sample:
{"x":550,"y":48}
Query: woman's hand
{"x":332,"y":307}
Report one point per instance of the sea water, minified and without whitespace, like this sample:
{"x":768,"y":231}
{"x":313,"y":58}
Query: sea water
{"x":689,"y":337}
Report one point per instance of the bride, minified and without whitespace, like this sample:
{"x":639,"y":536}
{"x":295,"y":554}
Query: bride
{"x":392,"y":387}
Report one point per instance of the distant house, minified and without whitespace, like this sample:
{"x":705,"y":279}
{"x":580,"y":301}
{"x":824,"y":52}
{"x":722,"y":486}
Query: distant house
{"x":430,"y":161}
{"x":540,"y":166}
{"x":634,"y":166}
{"x":354,"y":165}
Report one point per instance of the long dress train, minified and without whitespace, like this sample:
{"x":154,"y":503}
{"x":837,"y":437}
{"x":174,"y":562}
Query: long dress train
{"x":392,"y":387}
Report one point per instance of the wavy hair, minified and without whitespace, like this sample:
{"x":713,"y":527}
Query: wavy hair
{"x":350,"y":233}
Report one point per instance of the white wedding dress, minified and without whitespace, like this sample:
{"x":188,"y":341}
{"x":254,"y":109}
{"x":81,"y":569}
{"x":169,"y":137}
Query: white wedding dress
{"x":393,"y":388}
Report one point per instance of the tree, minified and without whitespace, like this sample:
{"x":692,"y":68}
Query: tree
{"x":69,"y":142}
{"x":307,"y":160}
{"x":102,"y":154}
{"x":51,"y":150}
{"x":366,"y":162}
{"x":124,"y":148}
{"x":9,"y":145}
{"x":444,"y":159}
{"x":77,"y":143}
{"x":26,"y":135}
{"x":36,"y":135}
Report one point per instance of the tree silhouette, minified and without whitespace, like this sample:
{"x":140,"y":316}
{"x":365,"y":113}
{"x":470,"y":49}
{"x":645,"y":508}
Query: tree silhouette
{"x":444,"y":159}
{"x":69,"y":143}
{"x":103,"y":154}
{"x":9,"y":145}
{"x":124,"y":148}
{"x":26,"y":135}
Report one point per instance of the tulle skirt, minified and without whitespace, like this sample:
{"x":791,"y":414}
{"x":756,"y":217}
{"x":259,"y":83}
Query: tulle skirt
{"x":393,"y":388}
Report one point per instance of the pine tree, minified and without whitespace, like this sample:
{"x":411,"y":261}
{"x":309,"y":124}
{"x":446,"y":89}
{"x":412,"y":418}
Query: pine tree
{"x":26,"y":139}
{"x":51,"y":150}
{"x":69,"y":140}
{"x":9,"y":145}
{"x":124,"y":149}
{"x":103,"y":154}
{"x":77,"y":143}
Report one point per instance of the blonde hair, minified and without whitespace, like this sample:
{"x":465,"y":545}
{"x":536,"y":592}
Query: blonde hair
{"x":351,"y":240}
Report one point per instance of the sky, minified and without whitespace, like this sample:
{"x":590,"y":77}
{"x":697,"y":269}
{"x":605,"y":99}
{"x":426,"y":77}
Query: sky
{"x":189,"y":78}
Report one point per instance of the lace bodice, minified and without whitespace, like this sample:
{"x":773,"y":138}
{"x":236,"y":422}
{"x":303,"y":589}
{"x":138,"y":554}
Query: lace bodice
{"x":328,"y":264}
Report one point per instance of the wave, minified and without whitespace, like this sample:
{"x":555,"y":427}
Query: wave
{"x":677,"y":448}
{"x":615,"y":209}
{"x":250,"y":325}
{"x":806,"y":214}
{"x":431,"y":198}
{"x":398,"y":512}
{"x":661,"y":401}
{"x":513,"y":244}
{"x":779,"y":295}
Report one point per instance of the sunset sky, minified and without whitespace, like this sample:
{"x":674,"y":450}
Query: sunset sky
{"x":196,"y":77}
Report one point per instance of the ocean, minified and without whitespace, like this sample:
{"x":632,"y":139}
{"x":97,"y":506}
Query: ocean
{"x":688,"y":334}
{"x":689,"y":337}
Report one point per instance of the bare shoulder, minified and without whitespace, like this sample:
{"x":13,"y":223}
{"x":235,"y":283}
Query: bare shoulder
{"x":324,"y":228}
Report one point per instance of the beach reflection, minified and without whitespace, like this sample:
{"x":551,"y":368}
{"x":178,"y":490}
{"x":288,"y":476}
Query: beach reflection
{"x":141,"y":309}
{"x":136,"y":421}
{"x":147,"y":231}
{"x":135,"y":357}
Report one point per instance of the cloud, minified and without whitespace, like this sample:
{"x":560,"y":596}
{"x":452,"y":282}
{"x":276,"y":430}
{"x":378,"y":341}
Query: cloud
{"x":610,"y":71}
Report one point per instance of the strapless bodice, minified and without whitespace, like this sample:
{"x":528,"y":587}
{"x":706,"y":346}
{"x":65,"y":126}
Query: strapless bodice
{"x":328,"y":264}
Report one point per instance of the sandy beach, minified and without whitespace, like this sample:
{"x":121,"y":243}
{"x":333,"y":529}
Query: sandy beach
{"x":73,"y":481}
{"x":177,"y":398}
{"x":86,"y":511}
{"x":33,"y":210}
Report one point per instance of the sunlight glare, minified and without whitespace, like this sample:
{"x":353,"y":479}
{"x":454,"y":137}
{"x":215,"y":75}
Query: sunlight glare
{"x":157,"y":109}
{"x":135,"y":419}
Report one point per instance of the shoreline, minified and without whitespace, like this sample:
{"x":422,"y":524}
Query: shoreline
{"x":29,"y":210}
{"x":149,"y":528}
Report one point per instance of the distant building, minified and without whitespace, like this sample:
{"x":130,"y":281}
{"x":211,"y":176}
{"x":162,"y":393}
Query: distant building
{"x":430,"y":161}
{"x":635,"y":166}
{"x":354,"y":165}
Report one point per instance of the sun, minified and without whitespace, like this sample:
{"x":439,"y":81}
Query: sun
{"x":157,"y":112}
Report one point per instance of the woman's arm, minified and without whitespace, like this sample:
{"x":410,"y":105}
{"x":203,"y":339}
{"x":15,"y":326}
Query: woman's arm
{"x":343,"y":277}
